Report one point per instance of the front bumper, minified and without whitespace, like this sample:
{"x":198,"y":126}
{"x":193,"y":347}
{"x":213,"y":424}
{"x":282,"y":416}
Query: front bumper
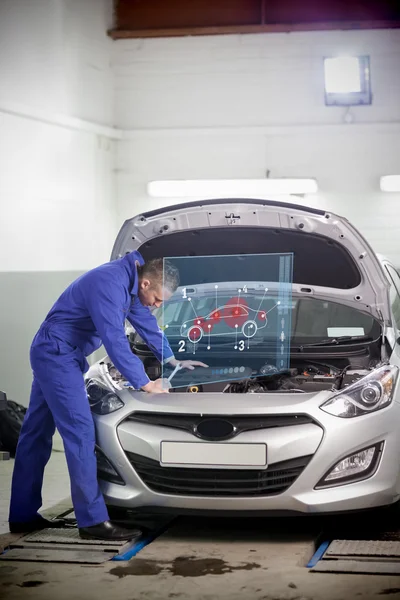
{"x":324,"y":445}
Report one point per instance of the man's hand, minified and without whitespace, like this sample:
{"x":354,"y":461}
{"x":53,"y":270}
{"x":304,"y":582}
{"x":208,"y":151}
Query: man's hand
{"x":186,"y":364}
{"x":191,"y":364}
{"x":159,"y":386}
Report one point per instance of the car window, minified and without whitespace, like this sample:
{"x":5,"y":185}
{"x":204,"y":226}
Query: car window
{"x":394,"y":293}
{"x":318,"y":319}
{"x":312,"y":320}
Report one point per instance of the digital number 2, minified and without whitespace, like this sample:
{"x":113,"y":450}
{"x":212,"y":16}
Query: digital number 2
{"x":181,"y":346}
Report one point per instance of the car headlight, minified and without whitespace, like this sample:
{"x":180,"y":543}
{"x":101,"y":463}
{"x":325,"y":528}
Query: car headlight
{"x":101,"y":400}
{"x":371,"y":393}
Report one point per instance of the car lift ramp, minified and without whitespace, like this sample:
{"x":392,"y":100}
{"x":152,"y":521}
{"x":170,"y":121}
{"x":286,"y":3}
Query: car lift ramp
{"x":358,"y":556}
{"x":63,"y":545}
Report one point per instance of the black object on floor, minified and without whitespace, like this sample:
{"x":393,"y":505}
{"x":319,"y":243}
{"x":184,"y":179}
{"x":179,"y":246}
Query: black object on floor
{"x":3,"y":401}
{"x":4,"y":454}
{"x":10,"y":426}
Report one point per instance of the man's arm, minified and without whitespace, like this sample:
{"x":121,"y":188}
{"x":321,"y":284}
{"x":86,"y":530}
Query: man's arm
{"x":104,"y":302}
{"x":145,"y":323}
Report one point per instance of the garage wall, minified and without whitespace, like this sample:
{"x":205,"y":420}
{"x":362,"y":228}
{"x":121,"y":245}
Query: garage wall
{"x":57,"y":148}
{"x":55,"y":56}
{"x":235,"y":106}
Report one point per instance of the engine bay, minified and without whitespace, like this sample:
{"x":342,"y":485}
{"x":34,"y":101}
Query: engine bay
{"x":329,"y":369}
{"x":302,"y":377}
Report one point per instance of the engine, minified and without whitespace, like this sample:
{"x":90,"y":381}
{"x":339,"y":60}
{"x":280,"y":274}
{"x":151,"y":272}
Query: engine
{"x":300,"y":378}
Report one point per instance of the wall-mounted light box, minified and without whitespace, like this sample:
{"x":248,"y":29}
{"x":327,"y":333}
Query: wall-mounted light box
{"x":347,"y":81}
{"x":230,"y":188}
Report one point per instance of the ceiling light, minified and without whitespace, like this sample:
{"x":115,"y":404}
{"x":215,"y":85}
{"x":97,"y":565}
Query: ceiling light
{"x":390,"y":183}
{"x":234,"y":188}
{"x":347,"y":80}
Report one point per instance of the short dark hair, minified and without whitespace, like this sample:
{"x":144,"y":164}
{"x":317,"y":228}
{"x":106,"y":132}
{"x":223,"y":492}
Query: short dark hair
{"x":162,"y":272}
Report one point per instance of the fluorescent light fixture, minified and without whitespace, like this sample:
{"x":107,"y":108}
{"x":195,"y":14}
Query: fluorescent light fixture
{"x":390,"y":183}
{"x":347,"y":80}
{"x":233,"y":188}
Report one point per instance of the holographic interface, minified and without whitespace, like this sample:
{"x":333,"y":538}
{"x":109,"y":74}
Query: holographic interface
{"x":232,"y":313}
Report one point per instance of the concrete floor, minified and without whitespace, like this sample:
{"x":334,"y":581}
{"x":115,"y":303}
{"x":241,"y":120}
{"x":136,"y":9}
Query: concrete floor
{"x":203,"y":559}
{"x":55,"y":488}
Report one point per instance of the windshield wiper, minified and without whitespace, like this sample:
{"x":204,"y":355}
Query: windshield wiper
{"x":339,"y":340}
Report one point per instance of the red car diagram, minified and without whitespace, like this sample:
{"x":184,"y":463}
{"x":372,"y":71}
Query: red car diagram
{"x":235,"y":315}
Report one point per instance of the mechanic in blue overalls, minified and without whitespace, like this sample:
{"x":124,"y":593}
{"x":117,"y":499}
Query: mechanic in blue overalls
{"x":91,"y":311}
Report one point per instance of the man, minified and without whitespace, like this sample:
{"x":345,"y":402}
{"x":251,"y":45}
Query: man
{"x":91,"y":311}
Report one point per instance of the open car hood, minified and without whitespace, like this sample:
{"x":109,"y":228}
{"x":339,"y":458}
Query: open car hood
{"x":332,"y":260}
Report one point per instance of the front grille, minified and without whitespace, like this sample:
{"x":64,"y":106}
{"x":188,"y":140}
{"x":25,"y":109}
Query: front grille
{"x":217,"y":482}
{"x":240,"y":423}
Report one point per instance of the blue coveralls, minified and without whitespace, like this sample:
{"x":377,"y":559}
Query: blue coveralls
{"x":91,"y":311}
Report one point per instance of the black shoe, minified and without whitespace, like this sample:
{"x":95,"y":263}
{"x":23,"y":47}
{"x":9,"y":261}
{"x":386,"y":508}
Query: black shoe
{"x":108,"y":531}
{"x":35,"y":525}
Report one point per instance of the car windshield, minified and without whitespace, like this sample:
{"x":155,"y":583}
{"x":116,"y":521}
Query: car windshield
{"x":312,"y":320}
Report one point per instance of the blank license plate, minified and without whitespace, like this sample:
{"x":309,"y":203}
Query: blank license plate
{"x":216,"y":455}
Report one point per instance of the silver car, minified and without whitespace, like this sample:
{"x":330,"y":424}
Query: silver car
{"x":320,"y":436}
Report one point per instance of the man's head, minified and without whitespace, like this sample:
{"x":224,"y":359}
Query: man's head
{"x":158,"y":280}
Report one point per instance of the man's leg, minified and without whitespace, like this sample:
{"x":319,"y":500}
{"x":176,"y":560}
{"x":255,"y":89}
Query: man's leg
{"x":33,"y":453}
{"x":64,"y":390}
{"x":59,"y":374}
